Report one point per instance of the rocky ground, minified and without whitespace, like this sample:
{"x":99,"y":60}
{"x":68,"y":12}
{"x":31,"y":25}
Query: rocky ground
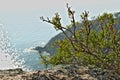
{"x":60,"y":73}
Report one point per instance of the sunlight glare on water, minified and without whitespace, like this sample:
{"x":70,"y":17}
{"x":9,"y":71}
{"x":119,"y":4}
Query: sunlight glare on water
{"x":8,"y":54}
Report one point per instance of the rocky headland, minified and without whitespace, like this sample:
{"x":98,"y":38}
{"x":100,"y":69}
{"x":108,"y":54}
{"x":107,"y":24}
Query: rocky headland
{"x":49,"y":48}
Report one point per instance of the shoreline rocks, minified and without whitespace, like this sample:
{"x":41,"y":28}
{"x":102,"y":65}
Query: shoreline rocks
{"x":69,"y":72}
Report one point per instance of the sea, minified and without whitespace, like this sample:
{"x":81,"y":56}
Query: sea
{"x":16,"y":44}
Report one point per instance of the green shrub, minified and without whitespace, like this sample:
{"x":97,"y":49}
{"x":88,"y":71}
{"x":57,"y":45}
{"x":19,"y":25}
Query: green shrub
{"x":95,"y":43}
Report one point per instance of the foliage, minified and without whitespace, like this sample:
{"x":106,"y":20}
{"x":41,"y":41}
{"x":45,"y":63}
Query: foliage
{"x":95,"y":43}
{"x":45,"y":60}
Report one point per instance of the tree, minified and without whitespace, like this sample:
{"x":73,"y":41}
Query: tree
{"x":88,"y":44}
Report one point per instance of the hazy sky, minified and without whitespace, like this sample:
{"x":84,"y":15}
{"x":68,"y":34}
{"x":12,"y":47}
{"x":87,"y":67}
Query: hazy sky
{"x":23,"y":5}
{"x":21,"y":8}
{"x":19,"y":16}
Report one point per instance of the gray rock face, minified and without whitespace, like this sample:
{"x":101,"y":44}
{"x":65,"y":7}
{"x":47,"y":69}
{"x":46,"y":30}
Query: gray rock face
{"x":68,"y":72}
{"x":74,"y":72}
{"x":60,"y":36}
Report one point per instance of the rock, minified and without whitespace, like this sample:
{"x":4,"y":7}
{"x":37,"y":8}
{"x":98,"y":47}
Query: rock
{"x":77,"y":78}
{"x":69,"y":72}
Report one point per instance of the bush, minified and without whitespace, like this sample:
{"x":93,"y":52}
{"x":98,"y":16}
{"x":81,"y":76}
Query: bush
{"x":95,"y":43}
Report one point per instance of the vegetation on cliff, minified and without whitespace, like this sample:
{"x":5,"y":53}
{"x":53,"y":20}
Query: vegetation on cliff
{"x":98,"y":46}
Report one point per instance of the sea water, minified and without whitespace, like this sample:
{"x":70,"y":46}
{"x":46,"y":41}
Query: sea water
{"x":8,"y":54}
{"x":16,"y":57}
{"x":15,"y":48}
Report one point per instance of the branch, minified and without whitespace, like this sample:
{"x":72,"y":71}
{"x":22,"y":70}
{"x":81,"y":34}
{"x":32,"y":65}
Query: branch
{"x":71,"y":15}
